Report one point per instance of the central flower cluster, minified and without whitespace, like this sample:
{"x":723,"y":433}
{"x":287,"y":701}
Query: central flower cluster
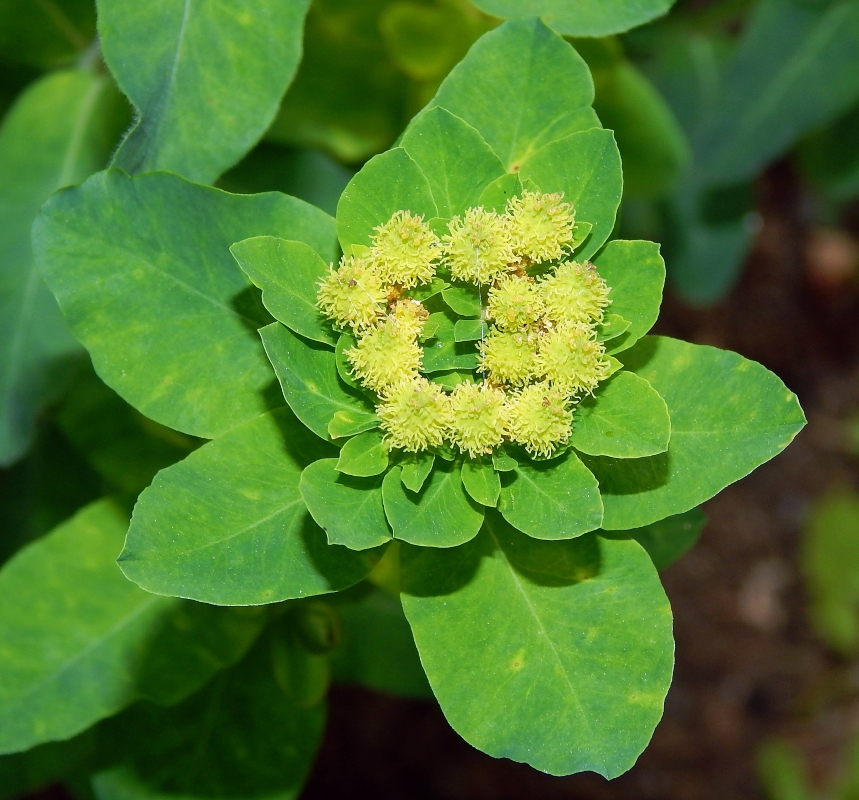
{"x":538,"y":349}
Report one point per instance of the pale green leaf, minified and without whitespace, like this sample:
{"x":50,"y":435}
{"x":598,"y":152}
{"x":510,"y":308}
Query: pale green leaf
{"x":416,"y":467}
{"x":464,"y":299}
{"x":443,"y":352}
{"x":498,"y":193}
{"x":481,"y":481}
{"x":363,"y":456}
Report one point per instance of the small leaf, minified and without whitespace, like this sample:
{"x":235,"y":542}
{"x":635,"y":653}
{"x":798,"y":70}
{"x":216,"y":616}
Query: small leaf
{"x":667,"y":540}
{"x":344,"y":343}
{"x":581,"y":231}
{"x":387,"y":183}
{"x":586,"y":168}
{"x":636,"y":274}
{"x":364,"y":456}
{"x":308,"y":376}
{"x":556,"y":499}
{"x":443,"y":353}
{"x":348,"y":509}
{"x":503,"y":461}
{"x":350,"y":423}
{"x":453,"y":156}
{"x":439,"y":515}
{"x":428,"y":290}
{"x":415,"y":469}
{"x":728,"y":416}
{"x":520,"y":71}
{"x":469,"y":330}
{"x":625,"y":418}
{"x":481,"y":481}
{"x":228,"y":525}
{"x":464,"y":299}
{"x":68,"y":618}
{"x":452,"y":378}
{"x":497,"y":193}
{"x":570,"y":640}
{"x":288,"y":274}
{"x":611,"y":327}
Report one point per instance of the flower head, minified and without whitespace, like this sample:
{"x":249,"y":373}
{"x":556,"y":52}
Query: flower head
{"x":514,"y":303}
{"x":353,"y":294}
{"x":541,"y":225}
{"x":540,"y":418}
{"x":405,"y":250}
{"x":575,"y":293}
{"x":509,"y":357}
{"x":478,"y":247}
{"x":385,"y":355}
{"x":409,"y":316}
{"x":571,"y":359}
{"x":478,"y":418}
{"x":415,"y":415}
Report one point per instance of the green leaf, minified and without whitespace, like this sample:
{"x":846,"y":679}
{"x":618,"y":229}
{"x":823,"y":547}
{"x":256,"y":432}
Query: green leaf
{"x":581,"y":17}
{"x":387,"y":183}
{"x":243,"y":736}
{"x":228,"y":526}
{"x":206,"y":79}
{"x":455,"y":159}
{"x":669,"y":539}
{"x":481,"y":481}
{"x":78,"y":642}
{"x":496,"y":195}
{"x":347,"y":508}
{"x":586,"y":168}
{"x":636,"y":274}
{"x":796,"y":67}
{"x":364,"y":456}
{"x":463,"y":299}
{"x":625,"y":418}
{"x":143,"y":273}
{"x":440,"y":515}
{"x":59,"y":131}
{"x":416,"y":467}
{"x":351,"y":423}
{"x":378,"y":650}
{"x":521,"y":86}
{"x":611,"y":327}
{"x":556,"y":499}
{"x":344,"y":343}
{"x":469,"y":330}
{"x":426,"y":291}
{"x":570,"y":640}
{"x":728,"y":416}
{"x":45,"y":35}
{"x":443,"y":352}
{"x":288,"y":274}
{"x":308,"y":376}
{"x":782,"y":771}
{"x":830,"y":561}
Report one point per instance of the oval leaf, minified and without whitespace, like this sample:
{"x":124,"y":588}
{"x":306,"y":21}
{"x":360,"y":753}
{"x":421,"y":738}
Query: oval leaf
{"x":481,"y":481}
{"x":563,"y":649}
{"x":363,"y":456}
{"x":348,"y":509}
{"x":669,"y":539}
{"x":416,"y":469}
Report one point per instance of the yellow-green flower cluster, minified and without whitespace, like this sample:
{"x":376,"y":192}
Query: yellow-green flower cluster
{"x":539,"y":355}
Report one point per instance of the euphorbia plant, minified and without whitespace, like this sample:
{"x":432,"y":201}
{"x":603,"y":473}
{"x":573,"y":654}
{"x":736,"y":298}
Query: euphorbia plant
{"x":475,"y":418}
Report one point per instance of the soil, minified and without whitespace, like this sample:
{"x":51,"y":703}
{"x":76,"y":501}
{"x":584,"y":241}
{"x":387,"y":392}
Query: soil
{"x":748,"y":665}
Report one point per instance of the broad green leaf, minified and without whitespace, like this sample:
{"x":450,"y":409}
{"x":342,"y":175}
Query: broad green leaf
{"x":288,"y":274}
{"x":455,"y":159}
{"x":636,"y":274}
{"x":556,"y":499}
{"x":581,"y":17}
{"x":443,"y":352}
{"x":521,"y":86}
{"x":830,"y":561}
{"x":242,"y":737}
{"x":503,"y":461}
{"x":452,"y":378}
{"x":228,"y":526}
{"x":45,"y":35}
{"x":481,"y":481}
{"x":308,"y":377}
{"x":625,"y":418}
{"x":440,"y":515}
{"x":205,"y":79}
{"x":363,"y":456}
{"x":728,"y":416}
{"x":586,"y":168}
{"x":347,"y":508}
{"x":796,"y":67}
{"x":667,"y":540}
{"x":416,"y":467}
{"x":78,"y":642}
{"x":59,"y":131}
{"x":463,"y":299}
{"x":143,"y":273}
{"x":611,"y":327}
{"x":469,"y":330}
{"x":498,"y":193}
{"x":351,"y":423}
{"x":426,"y":291}
{"x":378,"y":649}
{"x":387,"y":183}
{"x":563,"y":649}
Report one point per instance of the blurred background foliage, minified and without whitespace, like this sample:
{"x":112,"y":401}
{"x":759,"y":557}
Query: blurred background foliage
{"x":703,"y":101}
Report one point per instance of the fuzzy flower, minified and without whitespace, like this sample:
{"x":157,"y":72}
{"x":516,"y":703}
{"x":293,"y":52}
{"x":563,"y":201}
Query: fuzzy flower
{"x":571,"y":360}
{"x":415,"y":415}
{"x":540,"y":418}
{"x":514,"y":303}
{"x":541,"y":225}
{"x":478,"y":247}
{"x":385,"y":355}
{"x":575,"y":293}
{"x":478,"y":418}
{"x":405,"y":251}
{"x":352,"y":295}
{"x":509,"y":357}
{"x":409,"y":316}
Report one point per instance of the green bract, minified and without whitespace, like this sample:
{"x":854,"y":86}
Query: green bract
{"x":478,"y":405}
